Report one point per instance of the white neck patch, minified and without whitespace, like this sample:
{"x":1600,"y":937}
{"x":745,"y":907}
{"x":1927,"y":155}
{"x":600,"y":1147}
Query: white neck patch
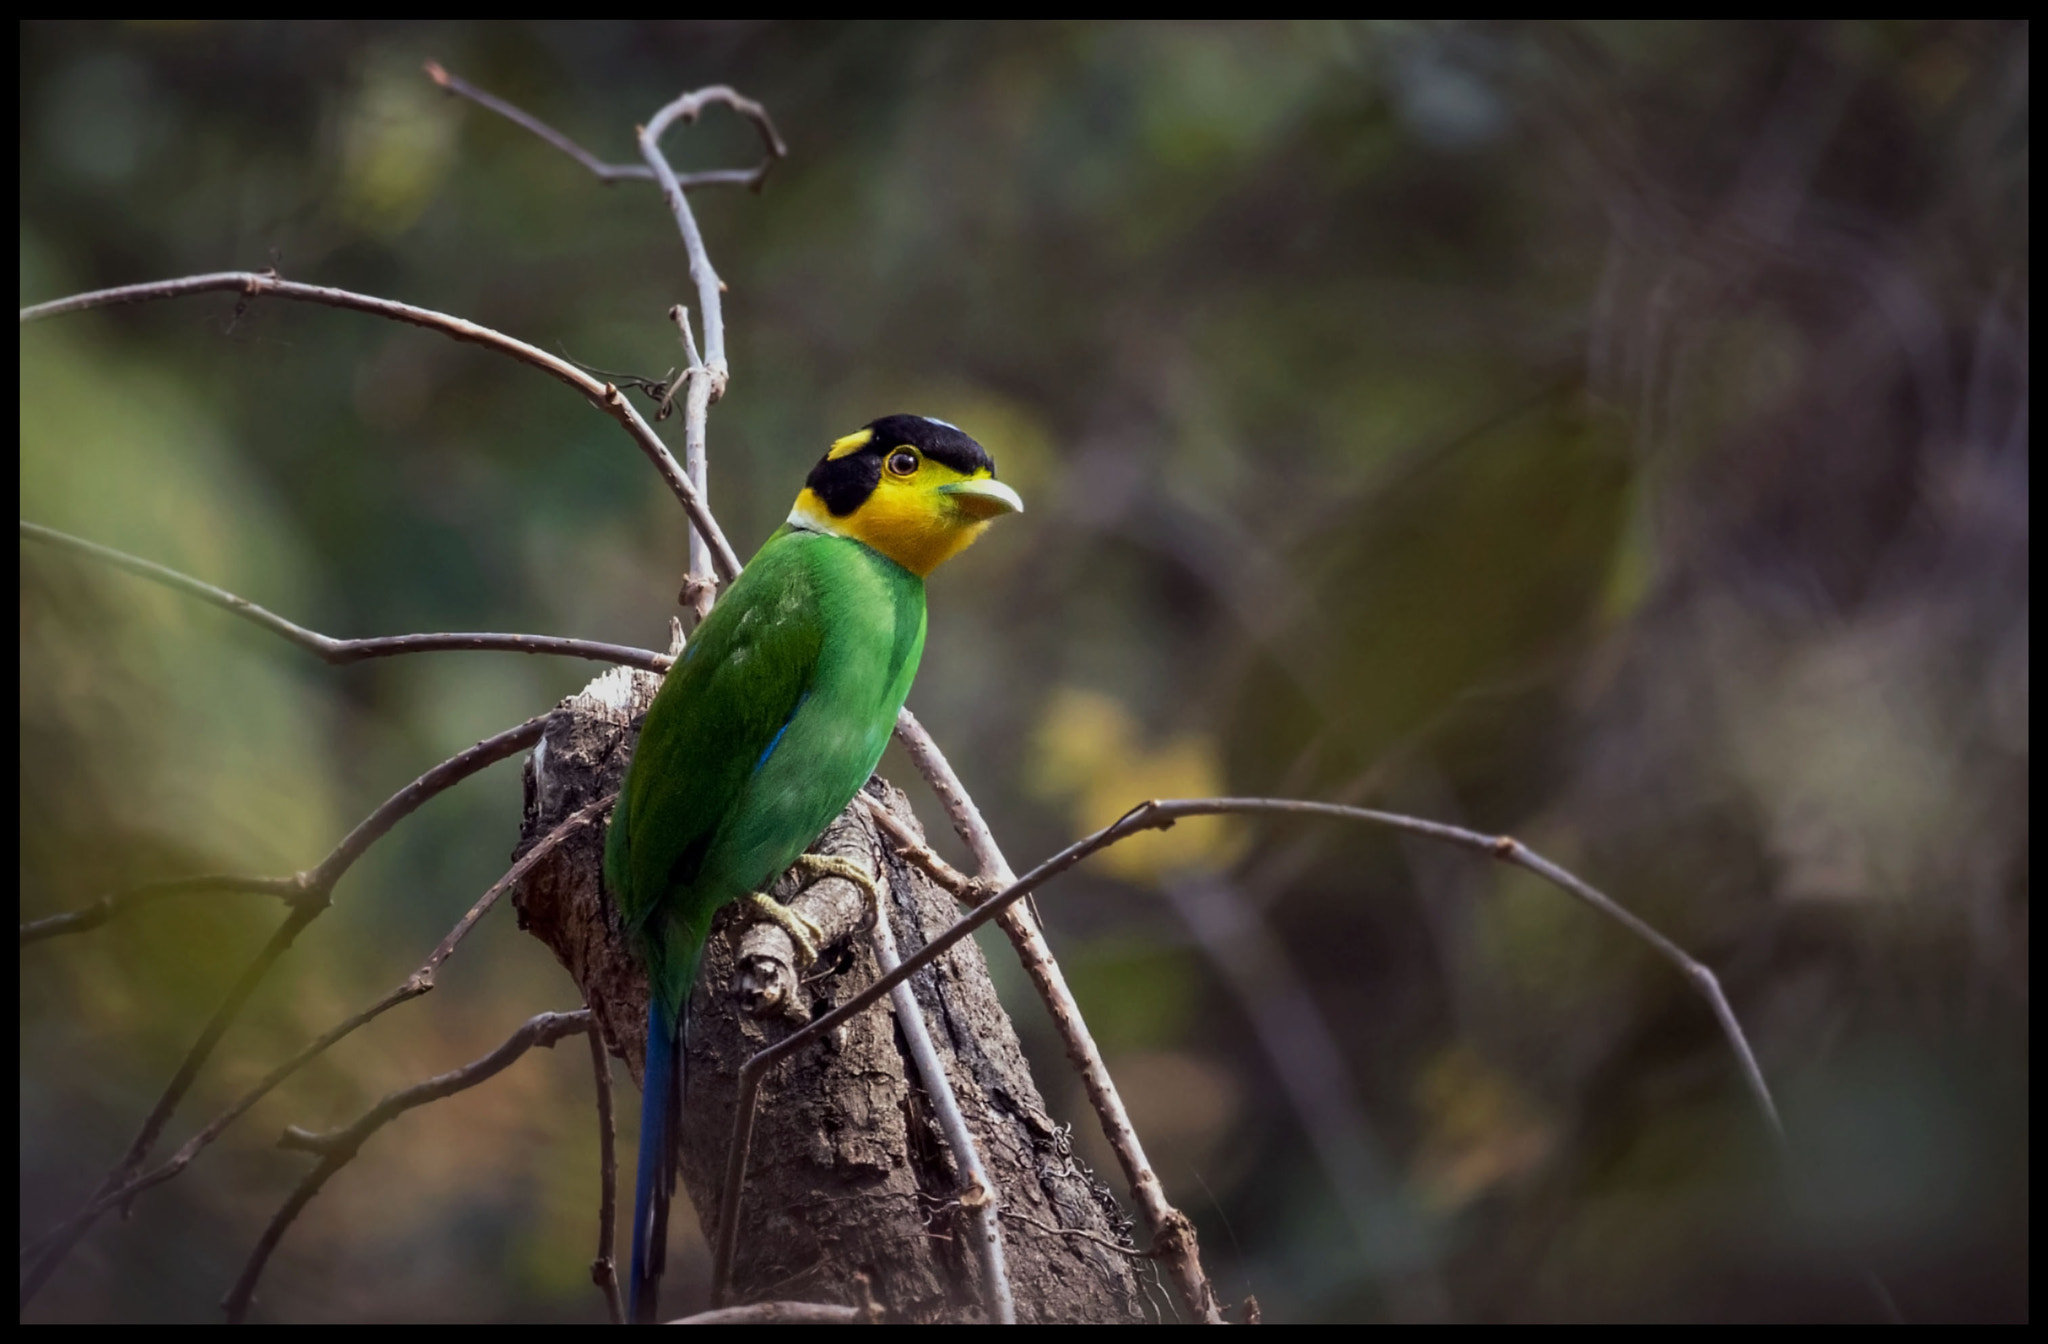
{"x":810,"y":515}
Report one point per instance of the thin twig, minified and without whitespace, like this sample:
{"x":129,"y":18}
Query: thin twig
{"x":121,"y":902}
{"x":337,"y":1147}
{"x":1161,"y":814}
{"x":612,"y":172}
{"x":119,"y":1185}
{"x":604,"y":1270}
{"x":326,"y":647}
{"x":968,"y":890}
{"x":1172,"y":1234}
{"x":679,"y":315}
{"x":313,"y":888}
{"x":981,"y":1199}
{"x":605,"y":396}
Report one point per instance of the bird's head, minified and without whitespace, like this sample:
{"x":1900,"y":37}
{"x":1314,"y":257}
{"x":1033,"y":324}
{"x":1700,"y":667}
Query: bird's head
{"x":915,"y":489}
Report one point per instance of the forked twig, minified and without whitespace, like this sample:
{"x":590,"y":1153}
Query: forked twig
{"x":121,"y":1184}
{"x":338,"y":1147}
{"x":706,"y":379}
{"x":413,"y":986}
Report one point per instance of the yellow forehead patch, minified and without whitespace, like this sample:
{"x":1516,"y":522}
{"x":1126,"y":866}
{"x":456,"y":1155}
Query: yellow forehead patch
{"x":852,"y":443}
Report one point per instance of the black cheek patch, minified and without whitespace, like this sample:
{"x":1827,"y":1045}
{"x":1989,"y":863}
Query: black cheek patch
{"x":845,"y":483}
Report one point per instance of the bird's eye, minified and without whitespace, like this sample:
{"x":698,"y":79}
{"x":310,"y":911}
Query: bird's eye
{"x":903,"y":462}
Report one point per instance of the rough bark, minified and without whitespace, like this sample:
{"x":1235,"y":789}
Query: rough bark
{"x":850,"y":1177}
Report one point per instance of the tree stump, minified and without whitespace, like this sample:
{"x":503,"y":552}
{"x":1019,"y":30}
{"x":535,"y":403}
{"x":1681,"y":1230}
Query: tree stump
{"x":850,"y":1178}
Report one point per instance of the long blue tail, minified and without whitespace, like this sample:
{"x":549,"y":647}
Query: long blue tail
{"x":661,"y":1097}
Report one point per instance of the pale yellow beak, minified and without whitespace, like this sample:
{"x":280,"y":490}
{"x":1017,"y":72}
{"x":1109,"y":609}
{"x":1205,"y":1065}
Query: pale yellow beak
{"x":983,"y":497}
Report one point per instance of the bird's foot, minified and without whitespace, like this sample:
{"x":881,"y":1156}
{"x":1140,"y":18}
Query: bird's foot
{"x":816,"y":866}
{"x":804,"y":932}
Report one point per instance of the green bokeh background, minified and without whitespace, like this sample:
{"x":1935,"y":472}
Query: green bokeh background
{"x":1614,"y":435}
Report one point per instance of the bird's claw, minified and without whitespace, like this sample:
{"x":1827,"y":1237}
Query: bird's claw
{"x":817,"y":866}
{"x":802,"y":931}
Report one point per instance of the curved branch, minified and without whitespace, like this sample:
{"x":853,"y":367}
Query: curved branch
{"x":1161,"y":814}
{"x":687,"y":109}
{"x":609,"y":173}
{"x":342,"y":651}
{"x":605,"y":396}
{"x":338,"y":1147}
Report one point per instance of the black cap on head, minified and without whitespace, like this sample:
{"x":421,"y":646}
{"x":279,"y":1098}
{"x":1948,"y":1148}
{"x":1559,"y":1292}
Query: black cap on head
{"x":936,"y":439}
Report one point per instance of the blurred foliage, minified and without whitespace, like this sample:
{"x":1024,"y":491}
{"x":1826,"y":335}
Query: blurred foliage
{"x":1614,"y":434}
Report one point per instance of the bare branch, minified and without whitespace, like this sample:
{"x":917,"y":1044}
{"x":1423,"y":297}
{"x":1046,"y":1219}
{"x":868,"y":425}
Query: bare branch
{"x":313,"y":888}
{"x":953,"y":796}
{"x":613,"y":172}
{"x":413,"y":986}
{"x":119,"y":1185}
{"x":980,"y":1199}
{"x":342,"y":651}
{"x":1171,"y":1232}
{"x":699,"y":590}
{"x":607,"y":173}
{"x":337,"y":1147}
{"x":605,"y":396}
{"x":686,"y":109}
{"x":1162,"y":814}
{"x":604,"y":1270}
{"x":106,"y":907}
{"x":969,"y":890}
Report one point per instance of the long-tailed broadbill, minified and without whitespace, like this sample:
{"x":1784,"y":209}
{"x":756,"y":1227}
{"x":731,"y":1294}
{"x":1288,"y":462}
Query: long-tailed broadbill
{"x":773,"y":717}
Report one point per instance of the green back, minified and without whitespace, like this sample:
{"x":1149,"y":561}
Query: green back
{"x":776,"y":715}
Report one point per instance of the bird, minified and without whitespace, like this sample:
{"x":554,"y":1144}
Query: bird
{"x":767,"y":724}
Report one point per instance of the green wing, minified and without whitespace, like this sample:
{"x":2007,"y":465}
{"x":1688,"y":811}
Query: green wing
{"x":743,"y":675}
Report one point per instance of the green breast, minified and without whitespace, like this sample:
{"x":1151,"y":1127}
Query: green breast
{"x":776,"y":714}
{"x":871,"y":615}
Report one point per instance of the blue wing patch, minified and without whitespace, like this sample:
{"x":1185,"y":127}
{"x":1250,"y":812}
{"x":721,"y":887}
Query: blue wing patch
{"x":776,"y":740}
